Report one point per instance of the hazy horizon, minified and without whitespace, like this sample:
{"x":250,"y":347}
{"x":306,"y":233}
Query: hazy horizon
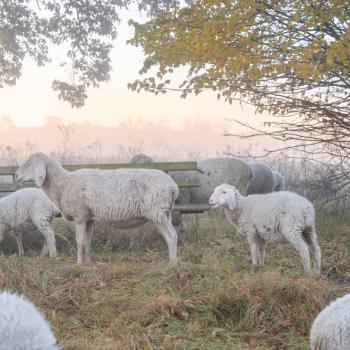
{"x":195,"y":139}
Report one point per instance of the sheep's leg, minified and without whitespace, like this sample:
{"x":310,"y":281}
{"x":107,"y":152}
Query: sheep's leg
{"x":19,"y":241}
{"x":45,"y":249}
{"x":50,"y":241}
{"x":49,"y":235}
{"x":261,"y":252}
{"x":1,"y":234}
{"x":311,"y":240}
{"x":178,"y":222}
{"x":300,"y":245}
{"x":87,"y":243}
{"x":252,"y":240}
{"x":183,"y":224}
{"x":168,"y":232}
{"x":317,"y":252}
{"x":80,"y":237}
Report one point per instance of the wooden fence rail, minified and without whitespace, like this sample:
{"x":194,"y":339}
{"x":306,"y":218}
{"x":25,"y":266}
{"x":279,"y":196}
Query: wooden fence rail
{"x":165,"y":166}
{"x":9,"y":171}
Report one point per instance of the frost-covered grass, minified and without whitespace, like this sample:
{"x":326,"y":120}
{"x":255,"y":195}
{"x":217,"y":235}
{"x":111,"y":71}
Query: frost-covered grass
{"x":130,"y":298}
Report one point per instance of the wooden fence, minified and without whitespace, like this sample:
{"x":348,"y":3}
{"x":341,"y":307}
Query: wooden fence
{"x":8,"y":185}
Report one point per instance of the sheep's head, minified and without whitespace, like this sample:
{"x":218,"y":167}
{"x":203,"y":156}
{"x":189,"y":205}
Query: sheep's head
{"x":33,"y":169}
{"x":141,"y":158}
{"x":223,"y":196}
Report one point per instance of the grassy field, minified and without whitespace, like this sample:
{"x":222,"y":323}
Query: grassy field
{"x":130,"y":298}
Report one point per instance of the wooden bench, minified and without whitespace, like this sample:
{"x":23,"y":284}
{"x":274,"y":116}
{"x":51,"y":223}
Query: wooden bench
{"x":6,"y":188}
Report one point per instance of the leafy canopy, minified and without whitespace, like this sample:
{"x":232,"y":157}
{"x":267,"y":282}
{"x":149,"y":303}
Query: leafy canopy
{"x":29,"y":28}
{"x":289,"y":58}
{"x":85,"y":29}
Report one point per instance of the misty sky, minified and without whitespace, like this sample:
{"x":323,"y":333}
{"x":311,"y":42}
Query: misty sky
{"x":32,"y":99}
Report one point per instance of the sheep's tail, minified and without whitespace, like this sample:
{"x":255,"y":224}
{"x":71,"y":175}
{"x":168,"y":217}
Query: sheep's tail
{"x":309,"y":227}
{"x":173,"y":194}
{"x":309,"y":219}
{"x":174,"y":191}
{"x":310,"y":237}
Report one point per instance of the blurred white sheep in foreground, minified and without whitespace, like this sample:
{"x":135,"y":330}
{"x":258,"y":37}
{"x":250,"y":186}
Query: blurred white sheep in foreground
{"x":331,"y":328}
{"x":22,"y":327}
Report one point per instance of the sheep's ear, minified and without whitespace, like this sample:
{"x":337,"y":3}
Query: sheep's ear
{"x":40,"y":174}
{"x":231,"y":202}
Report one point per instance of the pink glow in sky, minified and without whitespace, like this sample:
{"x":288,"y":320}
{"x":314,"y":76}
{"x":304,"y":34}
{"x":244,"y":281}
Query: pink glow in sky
{"x":31,"y":100}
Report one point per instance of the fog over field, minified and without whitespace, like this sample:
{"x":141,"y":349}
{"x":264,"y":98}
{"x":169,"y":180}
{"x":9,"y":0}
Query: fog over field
{"x":194,"y":139}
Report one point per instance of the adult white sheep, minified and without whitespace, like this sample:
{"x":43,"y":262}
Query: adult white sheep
{"x":272,"y":217}
{"x":212,"y":172}
{"x":22,"y":327}
{"x":280,"y":184}
{"x":126,"y":198}
{"x":331,"y":328}
{"x":25,"y":208}
{"x":262,"y":180}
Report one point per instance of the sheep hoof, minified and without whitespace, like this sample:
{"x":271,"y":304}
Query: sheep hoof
{"x":309,"y":274}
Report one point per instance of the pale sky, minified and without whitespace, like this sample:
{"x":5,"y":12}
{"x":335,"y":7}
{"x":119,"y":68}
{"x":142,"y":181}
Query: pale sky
{"x":32,"y":99}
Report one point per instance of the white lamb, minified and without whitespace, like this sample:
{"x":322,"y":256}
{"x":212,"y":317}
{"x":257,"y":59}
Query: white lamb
{"x":25,"y":208}
{"x":272,"y":217}
{"x":22,"y":327}
{"x":331,"y":328}
{"x":126,"y":198}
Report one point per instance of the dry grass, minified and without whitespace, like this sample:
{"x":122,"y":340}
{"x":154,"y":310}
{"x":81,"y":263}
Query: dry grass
{"x":130,"y":298}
